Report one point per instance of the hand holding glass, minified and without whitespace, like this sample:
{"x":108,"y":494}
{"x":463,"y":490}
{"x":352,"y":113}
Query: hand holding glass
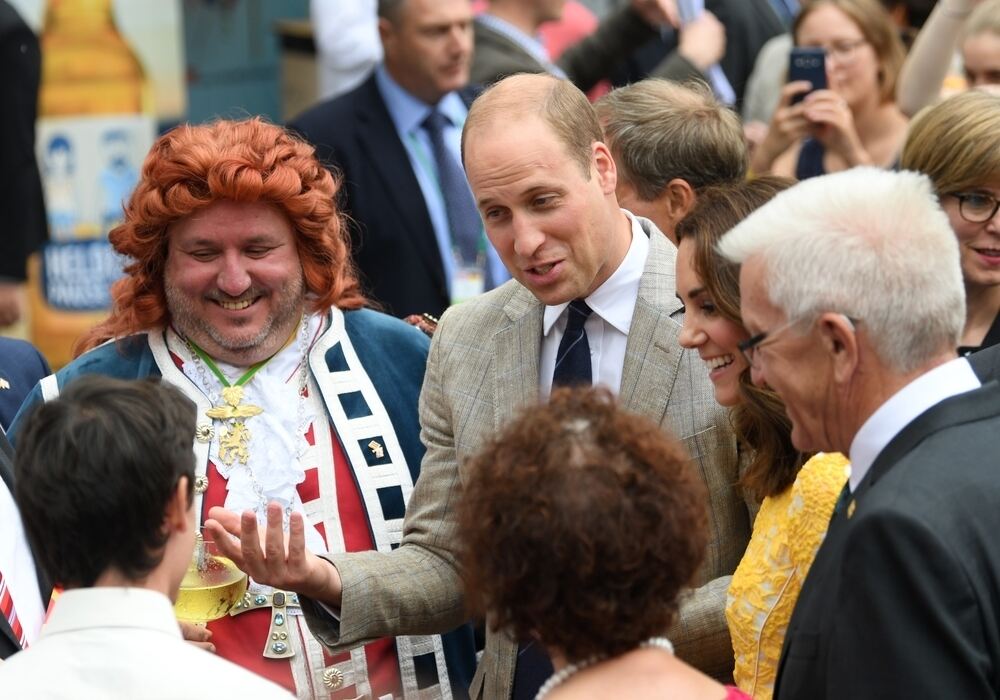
{"x":211,"y":587}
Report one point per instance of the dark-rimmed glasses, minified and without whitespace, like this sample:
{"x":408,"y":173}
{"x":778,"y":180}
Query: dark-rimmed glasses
{"x":748,"y":348}
{"x":976,"y":207}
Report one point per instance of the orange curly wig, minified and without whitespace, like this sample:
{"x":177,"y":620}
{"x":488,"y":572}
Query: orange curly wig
{"x":192,"y":166}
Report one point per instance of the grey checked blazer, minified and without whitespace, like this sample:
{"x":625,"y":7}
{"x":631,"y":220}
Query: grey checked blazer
{"x":483,"y":366}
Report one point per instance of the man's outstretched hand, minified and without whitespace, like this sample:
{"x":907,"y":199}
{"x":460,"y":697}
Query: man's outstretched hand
{"x":273,"y":557}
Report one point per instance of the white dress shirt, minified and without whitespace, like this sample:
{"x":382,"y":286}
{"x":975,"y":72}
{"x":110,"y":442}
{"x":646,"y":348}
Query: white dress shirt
{"x":347,"y":43}
{"x":18,"y":567}
{"x":927,"y":390}
{"x":607,"y":328}
{"x":122,"y":643}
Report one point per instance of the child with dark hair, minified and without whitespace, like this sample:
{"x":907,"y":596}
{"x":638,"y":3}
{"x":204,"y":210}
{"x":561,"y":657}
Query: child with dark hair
{"x":105,"y":485}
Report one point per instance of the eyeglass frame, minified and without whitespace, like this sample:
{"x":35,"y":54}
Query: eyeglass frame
{"x":962,"y":196}
{"x":748,"y":348}
{"x":844,"y":51}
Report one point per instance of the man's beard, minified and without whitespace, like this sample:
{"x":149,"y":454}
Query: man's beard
{"x":283,"y":317}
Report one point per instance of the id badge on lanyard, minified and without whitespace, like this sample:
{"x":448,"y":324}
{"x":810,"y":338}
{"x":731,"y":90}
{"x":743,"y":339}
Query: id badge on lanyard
{"x":469,"y":281}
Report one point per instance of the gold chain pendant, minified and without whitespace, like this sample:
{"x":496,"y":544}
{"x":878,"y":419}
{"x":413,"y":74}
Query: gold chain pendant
{"x":234,"y":443}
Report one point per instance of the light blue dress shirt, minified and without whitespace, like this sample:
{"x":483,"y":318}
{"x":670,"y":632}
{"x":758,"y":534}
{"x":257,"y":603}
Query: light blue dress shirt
{"x":408,"y":113}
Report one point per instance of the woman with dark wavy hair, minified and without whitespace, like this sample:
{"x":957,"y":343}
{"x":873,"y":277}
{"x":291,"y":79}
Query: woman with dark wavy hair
{"x":579,"y":526}
{"x":796,"y":496}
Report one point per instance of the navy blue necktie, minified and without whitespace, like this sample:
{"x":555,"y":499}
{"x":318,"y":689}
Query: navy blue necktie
{"x":463,"y":218}
{"x":573,"y":356}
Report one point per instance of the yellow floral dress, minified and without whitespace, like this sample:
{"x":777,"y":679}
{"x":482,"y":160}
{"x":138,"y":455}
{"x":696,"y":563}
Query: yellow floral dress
{"x":786,"y":534}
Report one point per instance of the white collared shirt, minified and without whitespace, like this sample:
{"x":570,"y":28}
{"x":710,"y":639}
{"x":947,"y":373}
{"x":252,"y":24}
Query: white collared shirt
{"x":18,"y":567}
{"x":927,"y":390}
{"x":607,"y":328}
{"x":122,"y":643}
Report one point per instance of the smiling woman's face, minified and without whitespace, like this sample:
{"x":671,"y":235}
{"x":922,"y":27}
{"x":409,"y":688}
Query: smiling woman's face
{"x":707,"y":331}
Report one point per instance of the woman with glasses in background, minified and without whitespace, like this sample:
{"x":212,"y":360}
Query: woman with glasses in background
{"x":855,"y":121}
{"x":957,"y":144}
{"x":796,"y":493}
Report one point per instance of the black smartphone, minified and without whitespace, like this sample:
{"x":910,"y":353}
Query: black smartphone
{"x":807,"y":63}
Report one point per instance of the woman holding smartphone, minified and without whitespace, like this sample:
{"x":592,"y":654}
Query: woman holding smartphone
{"x":855,"y":120}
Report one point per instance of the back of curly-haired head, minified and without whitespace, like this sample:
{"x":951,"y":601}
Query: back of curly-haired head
{"x":580,"y":523}
{"x":193,"y":166}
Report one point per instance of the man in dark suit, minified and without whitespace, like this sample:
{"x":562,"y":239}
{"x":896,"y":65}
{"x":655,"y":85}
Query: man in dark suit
{"x":506,"y":40}
{"x":415,"y":253}
{"x":22,"y":209}
{"x":852,"y":289}
{"x":21,"y":366}
{"x":748,"y":26}
{"x":16,"y":561}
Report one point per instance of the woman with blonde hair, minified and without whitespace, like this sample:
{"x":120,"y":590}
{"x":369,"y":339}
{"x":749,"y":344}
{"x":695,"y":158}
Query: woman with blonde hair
{"x":855,"y":120}
{"x":796,"y":492}
{"x":970,"y":26}
{"x":957,"y":144}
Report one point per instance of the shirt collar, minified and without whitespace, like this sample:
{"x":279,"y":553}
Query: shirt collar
{"x":531,"y":44}
{"x":927,"y":390}
{"x":614,"y":301}
{"x":107,"y":607}
{"x":408,"y":111}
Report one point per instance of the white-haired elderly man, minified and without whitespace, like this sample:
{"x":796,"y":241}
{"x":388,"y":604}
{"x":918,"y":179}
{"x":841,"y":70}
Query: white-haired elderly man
{"x":852,"y":291}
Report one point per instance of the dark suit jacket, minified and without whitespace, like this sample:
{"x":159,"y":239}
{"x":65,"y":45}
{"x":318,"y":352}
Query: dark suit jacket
{"x":749,"y":24}
{"x":588,"y":61}
{"x":8,"y":642}
{"x":391,"y":234}
{"x":903,"y":599}
{"x":21,"y":366}
{"x":986,"y":363}
{"x":22,"y":210}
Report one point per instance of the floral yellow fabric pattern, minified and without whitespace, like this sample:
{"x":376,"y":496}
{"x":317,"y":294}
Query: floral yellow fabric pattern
{"x":786,"y":534}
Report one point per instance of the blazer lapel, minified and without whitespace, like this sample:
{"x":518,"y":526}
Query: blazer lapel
{"x":972,"y":405}
{"x":387,"y":156}
{"x":652,"y":353}
{"x":516,"y":348}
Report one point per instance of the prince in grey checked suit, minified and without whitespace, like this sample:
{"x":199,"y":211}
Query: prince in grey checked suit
{"x":545,"y":186}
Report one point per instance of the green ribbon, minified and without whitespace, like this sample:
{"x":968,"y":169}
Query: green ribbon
{"x":210,"y":363}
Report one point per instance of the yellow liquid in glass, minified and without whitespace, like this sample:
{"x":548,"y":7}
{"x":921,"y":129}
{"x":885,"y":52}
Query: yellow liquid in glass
{"x":210,"y":593}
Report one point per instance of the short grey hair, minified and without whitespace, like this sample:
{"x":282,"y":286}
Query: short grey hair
{"x":659,"y":130}
{"x":870,"y":244}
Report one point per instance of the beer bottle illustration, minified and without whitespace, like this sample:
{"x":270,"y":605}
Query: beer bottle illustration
{"x":95,"y":114}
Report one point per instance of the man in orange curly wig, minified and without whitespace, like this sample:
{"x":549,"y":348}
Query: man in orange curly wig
{"x":239,"y":289}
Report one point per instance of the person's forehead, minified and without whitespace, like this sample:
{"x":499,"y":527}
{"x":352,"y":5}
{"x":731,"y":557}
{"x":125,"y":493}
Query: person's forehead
{"x":753,"y":288}
{"x":516,"y":132}
{"x":249,"y":219}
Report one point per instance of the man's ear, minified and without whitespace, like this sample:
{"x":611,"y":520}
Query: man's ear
{"x":386,"y":32}
{"x":177,"y":516}
{"x":604,"y":165}
{"x":841,"y":343}
{"x":678,"y":198}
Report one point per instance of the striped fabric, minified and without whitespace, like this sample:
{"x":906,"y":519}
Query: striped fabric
{"x":10,"y":614}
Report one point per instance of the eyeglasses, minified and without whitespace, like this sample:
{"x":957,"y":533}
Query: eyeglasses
{"x":845,"y":50}
{"x":976,"y":207}
{"x":749,"y":347}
